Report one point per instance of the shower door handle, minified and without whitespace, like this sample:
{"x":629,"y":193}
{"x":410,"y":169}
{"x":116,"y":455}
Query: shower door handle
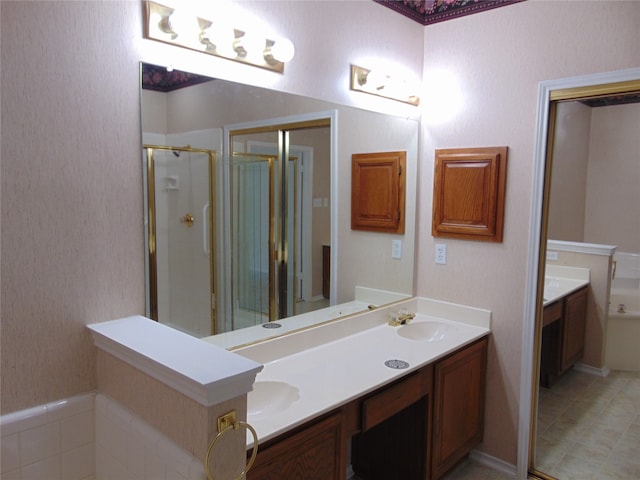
{"x":205,"y":233}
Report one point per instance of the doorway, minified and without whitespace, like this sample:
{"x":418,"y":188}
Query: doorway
{"x":600,"y":85}
{"x":270,"y":248}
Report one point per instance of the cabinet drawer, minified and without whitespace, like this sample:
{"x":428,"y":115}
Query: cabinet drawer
{"x":393,"y":399}
{"x":551,"y":313}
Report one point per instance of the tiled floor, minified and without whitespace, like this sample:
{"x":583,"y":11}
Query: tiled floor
{"x":589,"y":427}
{"x":470,"y":470}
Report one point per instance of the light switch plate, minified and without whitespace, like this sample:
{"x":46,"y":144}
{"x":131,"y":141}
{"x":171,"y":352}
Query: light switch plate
{"x":441,"y":253}
{"x":396,"y":249}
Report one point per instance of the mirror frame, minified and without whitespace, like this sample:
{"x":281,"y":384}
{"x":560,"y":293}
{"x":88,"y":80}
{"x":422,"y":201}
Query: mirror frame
{"x":549,"y":91}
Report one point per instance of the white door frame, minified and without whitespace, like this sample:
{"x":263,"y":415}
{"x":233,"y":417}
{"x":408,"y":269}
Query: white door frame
{"x":305,"y":179}
{"x":525,"y":425}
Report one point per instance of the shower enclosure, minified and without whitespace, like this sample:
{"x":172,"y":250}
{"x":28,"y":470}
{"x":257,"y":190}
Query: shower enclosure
{"x":230,"y":238}
{"x":180,"y":198}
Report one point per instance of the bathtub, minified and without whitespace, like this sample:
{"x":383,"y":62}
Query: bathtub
{"x":623,"y":326}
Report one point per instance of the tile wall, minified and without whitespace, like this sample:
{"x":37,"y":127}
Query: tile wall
{"x":52,"y":441}
{"x":127,"y":447}
{"x":89,"y":437}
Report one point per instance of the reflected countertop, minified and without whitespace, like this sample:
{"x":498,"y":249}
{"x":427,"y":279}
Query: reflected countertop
{"x":560,"y":281}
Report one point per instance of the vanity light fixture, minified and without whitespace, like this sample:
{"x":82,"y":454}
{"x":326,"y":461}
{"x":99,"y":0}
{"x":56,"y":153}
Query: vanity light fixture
{"x":382,"y":84}
{"x":187,"y":29}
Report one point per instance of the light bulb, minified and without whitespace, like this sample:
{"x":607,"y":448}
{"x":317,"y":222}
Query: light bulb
{"x":221,"y":38}
{"x":181,"y":22}
{"x":282,"y":50}
{"x":376,"y":80}
{"x":249,"y":44}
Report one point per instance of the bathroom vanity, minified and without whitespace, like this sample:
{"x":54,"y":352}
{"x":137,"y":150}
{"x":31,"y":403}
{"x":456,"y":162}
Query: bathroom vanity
{"x":563,"y":324}
{"x":393,"y":402}
{"x":418,"y":427}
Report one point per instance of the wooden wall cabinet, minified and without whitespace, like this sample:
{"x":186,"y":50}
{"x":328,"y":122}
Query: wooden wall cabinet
{"x":468,"y":193}
{"x":378,"y":191}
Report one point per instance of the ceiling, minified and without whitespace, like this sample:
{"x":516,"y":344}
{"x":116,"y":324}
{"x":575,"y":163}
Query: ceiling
{"x":427,"y":12}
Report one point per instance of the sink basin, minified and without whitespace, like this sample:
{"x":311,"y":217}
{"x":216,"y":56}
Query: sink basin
{"x":425,"y":331}
{"x":270,"y":397}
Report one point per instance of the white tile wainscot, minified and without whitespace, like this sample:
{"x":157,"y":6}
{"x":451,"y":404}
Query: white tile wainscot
{"x":52,"y":441}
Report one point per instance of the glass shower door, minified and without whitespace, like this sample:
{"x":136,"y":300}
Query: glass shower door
{"x":253,"y":239}
{"x":179,"y":237}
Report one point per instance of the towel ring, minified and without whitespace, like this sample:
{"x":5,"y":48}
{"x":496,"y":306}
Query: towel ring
{"x":235,"y":426}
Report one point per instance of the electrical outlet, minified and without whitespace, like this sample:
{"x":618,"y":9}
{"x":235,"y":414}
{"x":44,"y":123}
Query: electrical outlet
{"x":552,"y":255}
{"x":441,"y":253}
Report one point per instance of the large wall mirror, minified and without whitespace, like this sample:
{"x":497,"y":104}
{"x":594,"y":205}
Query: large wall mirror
{"x":247,"y":209}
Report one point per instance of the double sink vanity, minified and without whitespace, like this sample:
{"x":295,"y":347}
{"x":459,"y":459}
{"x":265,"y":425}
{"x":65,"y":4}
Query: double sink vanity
{"x":400,"y":399}
{"x":406,"y":400}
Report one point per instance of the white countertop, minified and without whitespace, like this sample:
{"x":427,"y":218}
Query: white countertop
{"x":560,"y":281}
{"x":330,"y":365}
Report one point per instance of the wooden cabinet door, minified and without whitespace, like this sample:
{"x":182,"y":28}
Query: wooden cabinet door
{"x":315,"y":452}
{"x":573,"y":330}
{"x":378,"y":191}
{"x":459,"y":406}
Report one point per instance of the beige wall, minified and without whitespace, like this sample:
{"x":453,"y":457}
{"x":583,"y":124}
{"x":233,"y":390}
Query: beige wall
{"x":569,"y":172}
{"x":72,"y":240}
{"x":596,"y":173}
{"x":72,"y":236}
{"x":613,"y":182}
{"x":498,"y":58}
{"x":72,"y":246}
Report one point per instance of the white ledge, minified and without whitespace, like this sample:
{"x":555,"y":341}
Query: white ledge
{"x":203,"y":372}
{"x":580,"y":247}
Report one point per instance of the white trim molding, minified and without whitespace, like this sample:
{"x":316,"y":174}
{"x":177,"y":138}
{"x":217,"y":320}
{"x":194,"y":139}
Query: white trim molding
{"x":526,"y":373}
{"x":199,"y":370}
{"x":580,"y":247}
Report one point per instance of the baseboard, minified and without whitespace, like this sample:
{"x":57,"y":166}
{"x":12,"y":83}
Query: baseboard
{"x":600,"y":372}
{"x":350,"y":472}
{"x":493,"y":463}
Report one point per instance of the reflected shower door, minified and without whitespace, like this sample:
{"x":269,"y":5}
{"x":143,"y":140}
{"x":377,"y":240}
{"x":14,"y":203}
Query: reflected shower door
{"x":179,"y":196}
{"x":253,"y":239}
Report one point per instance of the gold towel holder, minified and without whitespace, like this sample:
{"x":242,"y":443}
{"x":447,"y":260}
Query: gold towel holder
{"x":230,"y":422}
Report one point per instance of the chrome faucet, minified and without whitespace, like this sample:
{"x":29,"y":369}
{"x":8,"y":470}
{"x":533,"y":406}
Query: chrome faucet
{"x":400,"y":318}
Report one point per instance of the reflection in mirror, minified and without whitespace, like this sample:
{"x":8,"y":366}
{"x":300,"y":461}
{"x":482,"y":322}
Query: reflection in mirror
{"x":179,"y":196}
{"x":592,"y":200}
{"x":274,"y":229}
{"x":248,"y":196}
